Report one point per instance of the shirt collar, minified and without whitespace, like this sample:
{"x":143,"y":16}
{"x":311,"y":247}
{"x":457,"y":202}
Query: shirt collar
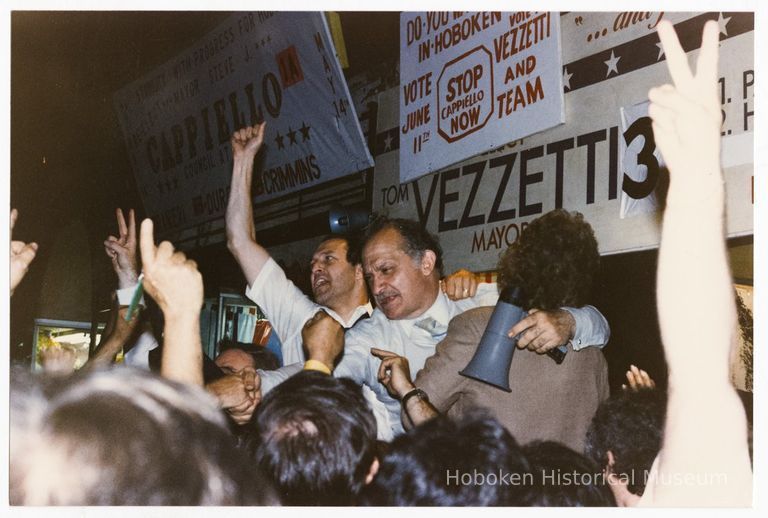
{"x":359,"y":312}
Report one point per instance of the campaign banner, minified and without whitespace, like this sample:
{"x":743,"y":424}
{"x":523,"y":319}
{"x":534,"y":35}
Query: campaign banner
{"x":478,"y":207}
{"x":473,"y":81}
{"x":177,"y":121}
{"x":635,"y":155}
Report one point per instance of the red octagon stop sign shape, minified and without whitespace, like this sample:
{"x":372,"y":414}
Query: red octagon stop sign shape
{"x":465,"y":94}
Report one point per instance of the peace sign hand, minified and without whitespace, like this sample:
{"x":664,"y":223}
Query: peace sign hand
{"x":686,"y":115}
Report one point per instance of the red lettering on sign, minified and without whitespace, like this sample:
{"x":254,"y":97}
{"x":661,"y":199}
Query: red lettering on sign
{"x":290,"y":68}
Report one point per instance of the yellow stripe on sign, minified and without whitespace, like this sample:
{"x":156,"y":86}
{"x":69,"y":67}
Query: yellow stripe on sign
{"x":334,"y":22}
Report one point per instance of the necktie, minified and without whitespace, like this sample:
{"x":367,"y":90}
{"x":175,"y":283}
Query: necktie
{"x":433,"y":327}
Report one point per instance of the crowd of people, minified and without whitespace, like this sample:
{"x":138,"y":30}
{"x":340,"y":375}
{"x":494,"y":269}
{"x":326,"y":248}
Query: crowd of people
{"x":369,"y":407}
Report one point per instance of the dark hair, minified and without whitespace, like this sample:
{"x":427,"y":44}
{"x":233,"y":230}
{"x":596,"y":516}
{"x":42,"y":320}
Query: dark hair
{"x":416,"y":238}
{"x":316,"y":439}
{"x":429,"y":465}
{"x":123,"y":437}
{"x":564,"y":478}
{"x":263,"y":358}
{"x":554,"y":261}
{"x":630,"y":425}
{"x":354,"y":246}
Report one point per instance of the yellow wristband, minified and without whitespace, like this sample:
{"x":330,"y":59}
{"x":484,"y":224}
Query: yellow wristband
{"x":315,"y":365}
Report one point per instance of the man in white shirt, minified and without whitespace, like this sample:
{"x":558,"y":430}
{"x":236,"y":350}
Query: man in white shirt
{"x":403,"y":266}
{"x":337,"y":279}
{"x":338,"y":286}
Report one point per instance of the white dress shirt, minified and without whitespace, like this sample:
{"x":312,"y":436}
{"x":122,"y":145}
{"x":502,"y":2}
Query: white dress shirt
{"x":287,"y":308}
{"x":404,"y":338}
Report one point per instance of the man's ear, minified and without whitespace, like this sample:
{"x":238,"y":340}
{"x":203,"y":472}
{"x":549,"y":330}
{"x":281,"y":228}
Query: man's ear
{"x":359,"y":272}
{"x":372,"y":471}
{"x":428,"y":260}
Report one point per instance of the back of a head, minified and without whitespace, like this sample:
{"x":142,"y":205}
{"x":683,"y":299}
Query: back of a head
{"x":630,"y":425}
{"x":316,"y":439}
{"x":416,"y":238}
{"x":123,"y":437}
{"x":554,"y":261}
{"x":471,"y":461}
{"x":564,"y":478}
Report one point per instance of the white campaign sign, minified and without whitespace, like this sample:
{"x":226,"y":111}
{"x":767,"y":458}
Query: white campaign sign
{"x":478,"y":207}
{"x":280,"y":67}
{"x":473,"y":81}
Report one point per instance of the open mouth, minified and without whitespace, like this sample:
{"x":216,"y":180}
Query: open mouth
{"x":320,"y":282}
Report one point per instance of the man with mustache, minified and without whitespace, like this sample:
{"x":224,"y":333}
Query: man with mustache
{"x":403,"y":266}
{"x":338,"y":285}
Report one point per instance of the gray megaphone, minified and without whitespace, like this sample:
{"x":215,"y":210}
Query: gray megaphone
{"x":344,"y":220}
{"x":493,"y":356}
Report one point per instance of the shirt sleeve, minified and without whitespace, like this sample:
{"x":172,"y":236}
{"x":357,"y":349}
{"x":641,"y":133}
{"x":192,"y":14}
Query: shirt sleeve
{"x":354,"y":364}
{"x":138,"y":356}
{"x":286,"y":307}
{"x":125,"y":295}
{"x":271,"y":379}
{"x":592,"y":328}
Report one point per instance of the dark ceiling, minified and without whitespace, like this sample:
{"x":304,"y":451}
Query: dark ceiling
{"x":68,"y":159}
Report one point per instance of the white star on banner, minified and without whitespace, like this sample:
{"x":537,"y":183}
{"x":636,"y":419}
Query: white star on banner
{"x":722,"y":22}
{"x":661,"y":51}
{"x":567,"y":78}
{"x":388,"y":142}
{"x":612,"y":64}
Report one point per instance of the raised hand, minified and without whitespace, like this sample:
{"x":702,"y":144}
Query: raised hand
{"x":461,"y":284}
{"x":22,"y":255}
{"x":686,"y":115}
{"x":169,"y":277}
{"x":177,"y":287}
{"x":122,"y":250}
{"x":323,"y":338}
{"x":247,"y":141}
{"x":638,"y":379}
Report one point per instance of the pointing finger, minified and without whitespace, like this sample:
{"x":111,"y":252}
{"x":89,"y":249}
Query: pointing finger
{"x":382,"y":354}
{"x":14,"y":215}
{"x":147,"y":243}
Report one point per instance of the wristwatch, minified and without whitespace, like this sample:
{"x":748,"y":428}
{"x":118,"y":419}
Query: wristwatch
{"x":417,"y":392}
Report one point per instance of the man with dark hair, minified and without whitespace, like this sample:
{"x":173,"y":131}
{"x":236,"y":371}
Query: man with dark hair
{"x":472,"y":461}
{"x":337,"y":282}
{"x":564,"y":478}
{"x":337,"y":277}
{"x":236,"y":356}
{"x":123,"y":437}
{"x":316,"y":440}
{"x":624,"y":439}
{"x":402,"y":264}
